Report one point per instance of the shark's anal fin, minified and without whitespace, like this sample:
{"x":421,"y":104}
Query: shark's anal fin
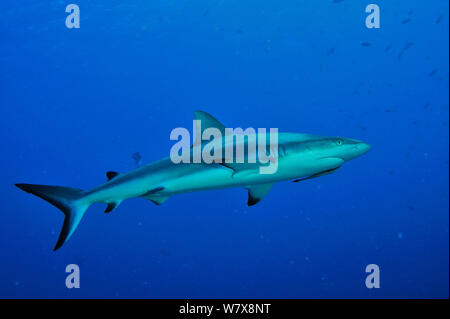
{"x":257,"y":192}
{"x":110,"y":175}
{"x":329,"y":171}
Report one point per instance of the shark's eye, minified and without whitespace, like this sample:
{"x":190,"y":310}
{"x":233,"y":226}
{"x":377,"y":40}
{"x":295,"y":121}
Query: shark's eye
{"x":339,"y":142}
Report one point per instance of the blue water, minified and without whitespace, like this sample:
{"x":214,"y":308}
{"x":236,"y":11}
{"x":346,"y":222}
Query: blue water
{"x":76,"y":103}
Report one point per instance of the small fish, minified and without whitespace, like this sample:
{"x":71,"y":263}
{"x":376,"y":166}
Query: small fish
{"x":137,"y":158}
{"x":411,"y":208}
{"x":164,"y":253}
{"x":407,"y":20}
{"x":330,"y":51}
{"x":440,"y":18}
{"x":408,"y":45}
{"x":366,"y":44}
{"x":388,"y":48}
{"x":405,"y":48}
{"x":433,"y":72}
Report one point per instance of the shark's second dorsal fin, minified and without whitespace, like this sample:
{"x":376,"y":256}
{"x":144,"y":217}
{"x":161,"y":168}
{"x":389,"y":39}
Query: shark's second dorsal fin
{"x":110,"y":175}
{"x":112,"y":206}
{"x":207,"y":121}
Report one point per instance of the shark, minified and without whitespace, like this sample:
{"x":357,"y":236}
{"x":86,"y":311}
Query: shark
{"x":300,"y":157}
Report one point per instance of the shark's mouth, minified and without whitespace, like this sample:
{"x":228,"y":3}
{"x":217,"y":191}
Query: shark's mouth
{"x":333,"y":158}
{"x":331,"y":162}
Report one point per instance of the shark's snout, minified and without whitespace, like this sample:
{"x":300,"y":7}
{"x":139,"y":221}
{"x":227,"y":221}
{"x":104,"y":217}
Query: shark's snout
{"x":363,"y":147}
{"x":358,"y":148}
{"x":349,"y":149}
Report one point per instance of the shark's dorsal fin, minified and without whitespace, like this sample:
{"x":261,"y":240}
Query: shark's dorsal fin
{"x":111,"y":174}
{"x":207,"y":121}
{"x":257,"y":192}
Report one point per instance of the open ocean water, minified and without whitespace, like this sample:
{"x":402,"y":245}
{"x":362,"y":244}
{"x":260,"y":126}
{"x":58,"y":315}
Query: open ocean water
{"x":78,"y":102}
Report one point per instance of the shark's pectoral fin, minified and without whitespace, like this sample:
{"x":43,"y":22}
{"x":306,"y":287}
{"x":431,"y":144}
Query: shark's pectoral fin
{"x":248,"y":173}
{"x":257,"y":192}
{"x":242,"y":169}
{"x":112,"y":206}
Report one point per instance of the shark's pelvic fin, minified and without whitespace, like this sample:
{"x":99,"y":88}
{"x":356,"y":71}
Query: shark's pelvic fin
{"x":207,"y":121}
{"x":111,"y":174}
{"x":155,"y":197}
{"x":157,"y":200}
{"x":257,"y":192}
{"x":64,"y":198}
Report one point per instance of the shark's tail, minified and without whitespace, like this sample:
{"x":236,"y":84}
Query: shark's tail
{"x":67,"y":200}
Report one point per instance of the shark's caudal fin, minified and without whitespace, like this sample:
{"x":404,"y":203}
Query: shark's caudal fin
{"x":64,"y":198}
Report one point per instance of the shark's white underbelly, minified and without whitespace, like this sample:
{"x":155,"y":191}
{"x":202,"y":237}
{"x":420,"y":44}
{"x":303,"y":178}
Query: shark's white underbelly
{"x":222,"y":177}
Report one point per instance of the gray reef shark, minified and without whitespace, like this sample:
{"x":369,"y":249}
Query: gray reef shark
{"x":300,"y":157}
